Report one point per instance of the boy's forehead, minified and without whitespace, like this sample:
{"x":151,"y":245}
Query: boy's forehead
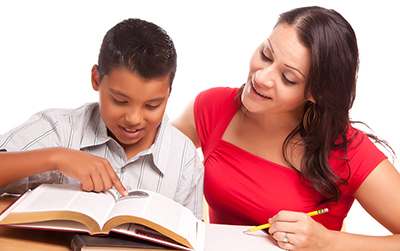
{"x":119,"y":70}
{"x":125,"y":83}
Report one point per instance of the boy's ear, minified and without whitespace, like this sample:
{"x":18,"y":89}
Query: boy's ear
{"x":95,"y":78}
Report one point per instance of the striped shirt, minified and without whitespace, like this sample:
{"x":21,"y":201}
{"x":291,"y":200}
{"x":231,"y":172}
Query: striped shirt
{"x":170,"y":166}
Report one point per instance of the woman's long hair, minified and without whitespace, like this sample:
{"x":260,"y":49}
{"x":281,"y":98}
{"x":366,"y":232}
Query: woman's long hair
{"x":332,"y":83}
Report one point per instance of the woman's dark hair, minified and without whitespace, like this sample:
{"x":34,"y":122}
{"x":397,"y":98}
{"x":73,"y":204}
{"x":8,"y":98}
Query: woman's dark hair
{"x":139,"y":46}
{"x":331,"y":81}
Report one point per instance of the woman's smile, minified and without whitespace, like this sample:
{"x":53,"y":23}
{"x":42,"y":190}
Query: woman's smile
{"x":257,"y":94}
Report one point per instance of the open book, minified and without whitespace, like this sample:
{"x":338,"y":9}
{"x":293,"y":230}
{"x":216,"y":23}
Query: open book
{"x":143,"y":214}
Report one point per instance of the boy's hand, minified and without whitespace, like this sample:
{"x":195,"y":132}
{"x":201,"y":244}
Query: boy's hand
{"x":94,"y":173}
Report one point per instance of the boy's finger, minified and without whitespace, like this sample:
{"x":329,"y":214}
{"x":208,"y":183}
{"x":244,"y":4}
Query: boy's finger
{"x":120,"y":188}
{"x":117,"y":183}
{"x":106,"y":179}
{"x":98,"y":183}
{"x":86,"y":185}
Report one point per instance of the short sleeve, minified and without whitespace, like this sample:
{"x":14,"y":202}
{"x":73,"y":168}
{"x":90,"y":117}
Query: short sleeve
{"x":363,"y":156}
{"x":40,"y":131}
{"x":209,"y":107}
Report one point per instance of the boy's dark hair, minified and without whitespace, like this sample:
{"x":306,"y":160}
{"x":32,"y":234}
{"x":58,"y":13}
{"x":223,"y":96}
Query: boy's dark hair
{"x":139,"y":46}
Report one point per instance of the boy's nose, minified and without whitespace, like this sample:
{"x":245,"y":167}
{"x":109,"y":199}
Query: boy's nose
{"x":134,"y":117}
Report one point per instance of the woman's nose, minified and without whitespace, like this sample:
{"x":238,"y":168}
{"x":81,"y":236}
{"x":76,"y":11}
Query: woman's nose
{"x":265,"y":77}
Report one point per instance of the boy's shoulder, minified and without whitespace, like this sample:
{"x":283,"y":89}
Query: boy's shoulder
{"x":84,"y":110}
{"x":54,"y":127}
{"x":175,"y":135}
{"x":84,"y":118}
{"x":88,"y":113}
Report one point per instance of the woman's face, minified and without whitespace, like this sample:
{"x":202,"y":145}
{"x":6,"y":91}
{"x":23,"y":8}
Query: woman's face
{"x":278,"y":74}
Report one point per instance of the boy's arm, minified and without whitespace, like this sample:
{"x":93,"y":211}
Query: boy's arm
{"x":94,"y":173}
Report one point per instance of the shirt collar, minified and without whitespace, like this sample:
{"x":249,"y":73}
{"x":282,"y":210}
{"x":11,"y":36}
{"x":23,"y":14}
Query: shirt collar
{"x":162,"y":145}
{"x":96,"y":134}
{"x":95,"y":131}
{"x":159,"y":150}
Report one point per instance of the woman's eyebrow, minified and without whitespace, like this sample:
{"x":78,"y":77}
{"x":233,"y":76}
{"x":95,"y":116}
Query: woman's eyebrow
{"x":270,"y":45}
{"x":295,"y":69}
{"x":291,"y":67}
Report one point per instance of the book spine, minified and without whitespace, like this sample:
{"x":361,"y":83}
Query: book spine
{"x":76,"y":243}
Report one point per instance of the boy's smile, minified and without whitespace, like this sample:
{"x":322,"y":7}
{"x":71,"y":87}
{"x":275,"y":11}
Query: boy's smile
{"x":131,"y":107}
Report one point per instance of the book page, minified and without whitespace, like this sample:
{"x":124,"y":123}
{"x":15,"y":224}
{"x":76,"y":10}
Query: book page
{"x":231,"y":237}
{"x":160,"y":210}
{"x":144,"y":233}
{"x":52,"y":197}
{"x":54,"y":225}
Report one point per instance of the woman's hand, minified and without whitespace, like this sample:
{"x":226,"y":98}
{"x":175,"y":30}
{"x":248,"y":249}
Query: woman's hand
{"x":94,"y":173}
{"x":298,"y":231}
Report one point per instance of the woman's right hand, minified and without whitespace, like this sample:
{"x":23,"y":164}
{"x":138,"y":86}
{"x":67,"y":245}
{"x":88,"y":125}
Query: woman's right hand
{"x":298,"y":231}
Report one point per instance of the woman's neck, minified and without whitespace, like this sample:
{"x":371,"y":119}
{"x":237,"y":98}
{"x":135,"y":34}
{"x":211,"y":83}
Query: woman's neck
{"x":282,"y":122}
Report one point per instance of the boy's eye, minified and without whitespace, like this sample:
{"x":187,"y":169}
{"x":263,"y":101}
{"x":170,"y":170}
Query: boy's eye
{"x":119,"y":102}
{"x":152,"y":107}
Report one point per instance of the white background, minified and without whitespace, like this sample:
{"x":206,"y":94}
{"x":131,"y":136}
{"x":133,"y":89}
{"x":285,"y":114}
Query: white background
{"x":47,"y":49}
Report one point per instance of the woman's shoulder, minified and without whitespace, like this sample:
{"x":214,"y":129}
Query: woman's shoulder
{"x":360,"y":151}
{"x":219,"y":92}
{"x":216,"y":96}
{"x":356,"y":141}
{"x":213,"y":106}
{"x":361,"y":157}
{"x":358,"y":138}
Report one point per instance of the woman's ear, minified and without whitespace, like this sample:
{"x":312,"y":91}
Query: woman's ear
{"x":95,"y":78}
{"x":310,"y":97}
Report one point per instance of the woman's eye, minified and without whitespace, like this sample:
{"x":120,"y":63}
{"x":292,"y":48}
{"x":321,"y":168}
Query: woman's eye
{"x":287,"y":80}
{"x":264,"y":56}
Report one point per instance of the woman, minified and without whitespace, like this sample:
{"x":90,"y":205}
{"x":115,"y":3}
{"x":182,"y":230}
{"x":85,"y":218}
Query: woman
{"x":283,"y":144}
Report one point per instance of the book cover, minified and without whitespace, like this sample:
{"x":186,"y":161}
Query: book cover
{"x":112,"y":242}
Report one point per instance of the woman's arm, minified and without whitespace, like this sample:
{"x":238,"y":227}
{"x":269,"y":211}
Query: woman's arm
{"x":94,"y":173}
{"x":185,"y":123}
{"x":378,"y":194}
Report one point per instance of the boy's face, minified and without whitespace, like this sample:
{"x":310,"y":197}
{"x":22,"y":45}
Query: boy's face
{"x":131,"y":108}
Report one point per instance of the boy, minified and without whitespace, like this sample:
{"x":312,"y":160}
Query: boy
{"x":124,"y":141}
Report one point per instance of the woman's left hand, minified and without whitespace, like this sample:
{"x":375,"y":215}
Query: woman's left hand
{"x":298,"y":231}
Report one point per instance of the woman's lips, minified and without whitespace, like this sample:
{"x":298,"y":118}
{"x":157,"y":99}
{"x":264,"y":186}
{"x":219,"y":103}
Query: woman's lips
{"x":258,"y":94}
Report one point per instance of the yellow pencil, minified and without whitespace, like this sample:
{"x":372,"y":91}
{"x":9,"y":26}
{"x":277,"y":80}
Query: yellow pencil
{"x":321,"y":211}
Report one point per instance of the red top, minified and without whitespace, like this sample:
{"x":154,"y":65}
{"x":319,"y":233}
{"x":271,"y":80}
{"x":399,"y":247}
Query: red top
{"x":244,"y":189}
